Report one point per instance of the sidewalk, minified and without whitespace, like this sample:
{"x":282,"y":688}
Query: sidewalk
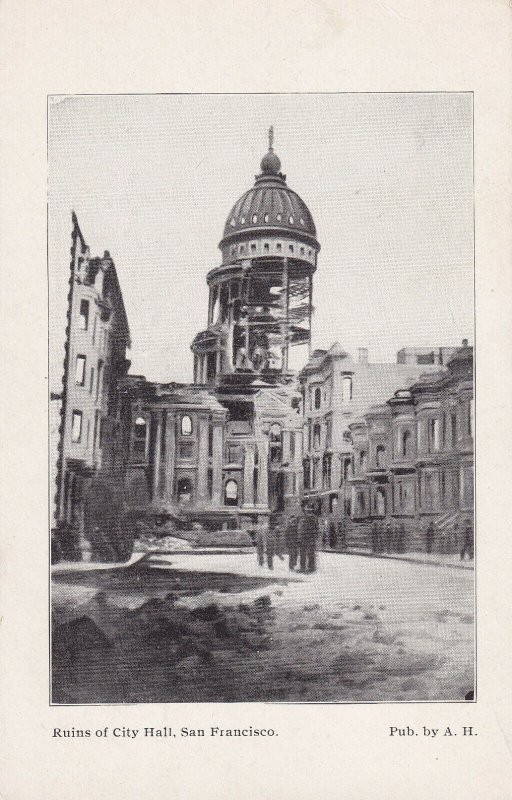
{"x":437,"y":559}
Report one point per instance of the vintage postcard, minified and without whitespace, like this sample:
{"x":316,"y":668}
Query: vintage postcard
{"x":256,"y":474}
{"x":262,"y":416}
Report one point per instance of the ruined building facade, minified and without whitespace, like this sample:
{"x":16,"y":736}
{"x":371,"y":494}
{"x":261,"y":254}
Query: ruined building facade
{"x":227,"y":449}
{"x":93,"y":418}
{"x":250,"y":435}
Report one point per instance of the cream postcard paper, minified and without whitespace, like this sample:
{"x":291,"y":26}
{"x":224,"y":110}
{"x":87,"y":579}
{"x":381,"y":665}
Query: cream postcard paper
{"x":266,"y":430}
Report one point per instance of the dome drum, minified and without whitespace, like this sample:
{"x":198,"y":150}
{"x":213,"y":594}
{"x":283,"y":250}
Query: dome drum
{"x":260,"y":302}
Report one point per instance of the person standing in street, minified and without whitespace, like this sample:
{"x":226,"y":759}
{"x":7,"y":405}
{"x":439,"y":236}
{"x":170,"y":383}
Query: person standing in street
{"x":469,"y":543}
{"x":375,"y":536}
{"x":309,"y":531}
{"x":389,"y":537}
{"x":429,"y":538}
{"x":401,"y":538}
{"x":292,"y":541}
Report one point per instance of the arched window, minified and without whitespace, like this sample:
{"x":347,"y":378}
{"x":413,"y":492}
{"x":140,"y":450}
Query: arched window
{"x":380,"y":453}
{"x":318,"y":398}
{"x":186,"y":425}
{"x":254,"y":218}
{"x":266,"y":217}
{"x":231,"y":493}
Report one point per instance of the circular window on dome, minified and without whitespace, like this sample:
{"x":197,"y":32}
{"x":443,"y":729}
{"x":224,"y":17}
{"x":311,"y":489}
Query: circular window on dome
{"x":279,"y":217}
{"x":243,"y":220}
{"x":254,"y":218}
{"x":302,"y":221}
{"x":266,"y":217}
{"x":291,"y":220}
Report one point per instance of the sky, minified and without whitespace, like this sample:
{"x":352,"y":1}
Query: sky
{"x":388,"y":179}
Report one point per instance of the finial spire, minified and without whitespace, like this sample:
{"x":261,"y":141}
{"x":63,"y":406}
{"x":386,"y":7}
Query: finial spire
{"x":270,"y":137}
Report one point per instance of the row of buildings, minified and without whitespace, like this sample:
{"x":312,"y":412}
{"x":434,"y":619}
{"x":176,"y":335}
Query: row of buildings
{"x":249,"y":436}
{"x":391,"y":441}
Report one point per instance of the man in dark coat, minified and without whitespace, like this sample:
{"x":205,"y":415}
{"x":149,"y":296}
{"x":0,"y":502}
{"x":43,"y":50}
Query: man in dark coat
{"x":375,"y":536}
{"x":401,"y":538}
{"x":292,"y":541}
{"x":309,"y":531}
{"x":429,"y":537}
{"x":469,"y":543}
{"x":389,"y":537}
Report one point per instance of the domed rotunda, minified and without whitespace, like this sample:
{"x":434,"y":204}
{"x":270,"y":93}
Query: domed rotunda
{"x":260,"y":300}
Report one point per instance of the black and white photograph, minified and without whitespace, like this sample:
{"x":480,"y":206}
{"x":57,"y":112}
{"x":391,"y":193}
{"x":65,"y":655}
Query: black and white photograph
{"x":261,"y":398}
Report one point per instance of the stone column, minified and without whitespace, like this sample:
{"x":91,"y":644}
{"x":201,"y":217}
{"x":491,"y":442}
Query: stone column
{"x":170,"y":455}
{"x":263,"y":472}
{"x":202,"y":459}
{"x":217,"y":462}
{"x":335,"y":470}
{"x":249,"y":474}
{"x":156,"y":462}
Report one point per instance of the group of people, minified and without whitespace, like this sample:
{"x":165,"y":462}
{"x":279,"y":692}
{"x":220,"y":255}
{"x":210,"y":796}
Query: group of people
{"x":388,"y":539}
{"x":296,"y":536}
{"x":301,"y":534}
{"x":454,"y":540}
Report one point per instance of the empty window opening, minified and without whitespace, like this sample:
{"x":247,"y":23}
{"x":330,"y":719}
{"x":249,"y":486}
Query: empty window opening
{"x":266,"y":217}
{"x":380,"y":456}
{"x":76,"y":426}
{"x":254,"y":218}
{"x":346,"y":391}
{"x":139,"y":436}
{"x":184,"y":487}
{"x":80,"y":370}
{"x":231,"y":493}
{"x":316,"y":436}
{"x":186,"y":425}
{"x":84,"y":314}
